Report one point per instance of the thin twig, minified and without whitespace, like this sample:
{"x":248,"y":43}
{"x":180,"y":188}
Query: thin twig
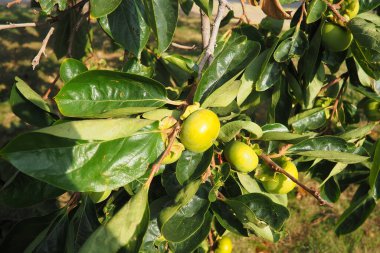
{"x":242,"y":3}
{"x":281,"y":152}
{"x":48,"y":91}
{"x":206,"y":29}
{"x":278,"y":169}
{"x":10,"y":4}
{"x":10,"y":26}
{"x":212,"y":42}
{"x":156,"y":166}
{"x":177,"y":45}
{"x":211,"y":241}
{"x":333,"y":8}
{"x":36,"y":59}
{"x":333,"y":82}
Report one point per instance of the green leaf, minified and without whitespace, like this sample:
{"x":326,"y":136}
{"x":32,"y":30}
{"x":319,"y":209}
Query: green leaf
{"x":367,"y":5}
{"x":83,"y":166}
{"x":331,"y":190}
{"x":97,"y":129}
{"x":163,"y":16}
{"x":227,"y":218}
{"x":53,"y":238}
{"x":125,"y":230}
{"x":359,"y":132}
{"x":180,"y":68}
{"x":153,"y":232}
{"x":315,"y":10}
{"x":100,"y":8}
{"x":187,"y":208}
{"x":258,"y":209}
{"x":231,"y":129}
{"x":29,"y":106}
{"x":226,"y":65}
{"x":374,"y":176}
{"x":82,"y":225}
{"x":190,"y":244}
{"x":354,"y":216}
{"x":206,"y":6}
{"x":21,"y":190}
{"x":102,"y":93}
{"x":251,"y":185}
{"x":71,"y":35}
{"x":24,"y":232}
{"x":338,"y":168}
{"x":314,"y":87}
{"x":308,"y":120}
{"x":133,"y":66}
{"x":366,"y":44}
{"x":128,"y":26}
{"x":279,"y":132}
{"x":191,"y":166}
{"x":70,"y":68}
{"x":224,"y":95}
{"x":48,"y":5}
{"x":186,"y":6}
{"x":294,"y":46}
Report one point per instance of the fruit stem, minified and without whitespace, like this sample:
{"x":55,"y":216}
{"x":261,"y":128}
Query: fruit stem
{"x":332,"y":7}
{"x":156,"y":166}
{"x":278,"y":169}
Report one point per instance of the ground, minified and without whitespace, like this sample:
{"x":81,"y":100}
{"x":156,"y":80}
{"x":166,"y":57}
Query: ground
{"x":310,"y":228}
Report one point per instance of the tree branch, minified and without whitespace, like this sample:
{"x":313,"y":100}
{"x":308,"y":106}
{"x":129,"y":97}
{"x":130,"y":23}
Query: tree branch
{"x":333,"y":82}
{"x":48,"y":91}
{"x":156,"y":166}
{"x":278,"y":169}
{"x":333,"y":8}
{"x":242,"y":3}
{"x":10,"y":26}
{"x":176,"y":45}
{"x":212,"y":42}
{"x":206,"y":29}
{"x":10,"y":4}
{"x":36,"y":59}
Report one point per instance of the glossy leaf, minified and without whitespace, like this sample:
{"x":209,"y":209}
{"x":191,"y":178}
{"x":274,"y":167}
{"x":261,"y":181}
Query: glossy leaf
{"x":259,"y":209}
{"x":374,"y":176}
{"x":84,"y":165}
{"x":163,"y":16}
{"x":128,"y":26}
{"x":294,"y":46}
{"x":133,"y":66}
{"x":308,"y":120}
{"x":190,"y":244}
{"x":100,"y":8}
{"x":125,"y":230}
{"x":339,"y":167}
{"x":367,"y":5}
{"x":358,"y":133}
{"x":226,"y":65}
{"x":97,"y":129}
{"x":102,"y":93}
{"x":366,"y":44}
{"x":83,"y":223}
{"x":185,"y":200}
{"x":231,"y":129}
{"x":186,"y":6}
{"x":29,"y":106}
{"x":70,"y":68}
{"x":24,"y":232}
{"x":315,"y":10}
{"x":227,"y":218}
{"x":278,"y":132}
{"x":354,"y":216}
{"x":21,"y":190}
{"x":48,"y":5}
{"x":53,"y":238}
{"x":206,"y":6}
{"x":224,"y":95}
{"x":191,"y":166}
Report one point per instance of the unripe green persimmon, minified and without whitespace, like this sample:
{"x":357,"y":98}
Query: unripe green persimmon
{"x":224,"y":245}
{"x":372,"y":109}
{"x":98,"y":197}
{"x":241,"y":156}
{"x":200,"y":130}
{"x":279,"y":183}
{"x":336,"y":38}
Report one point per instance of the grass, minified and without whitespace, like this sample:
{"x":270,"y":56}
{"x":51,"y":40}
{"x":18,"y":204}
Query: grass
{"x":310,"y":228}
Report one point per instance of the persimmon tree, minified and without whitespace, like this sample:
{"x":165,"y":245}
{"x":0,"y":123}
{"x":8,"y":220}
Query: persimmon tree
{"x":140,"y":150}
